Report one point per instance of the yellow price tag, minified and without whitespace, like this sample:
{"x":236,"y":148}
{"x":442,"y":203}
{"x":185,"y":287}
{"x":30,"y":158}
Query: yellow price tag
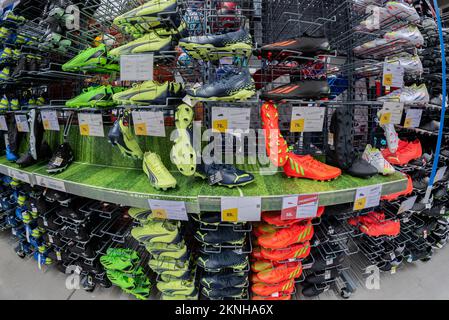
{"x":46,"y":124}
{"x":408,"y":123}
{"x":230,"y":215}
{"x":220,"y":125}
{"x":360,"y":204}
{"x":141,"y":129}
{"x":388,"y":80}
{"x":385,"y":118}
{"x":159,"y":214}
{"x":84,"y":129}
{"x":297,"y":125}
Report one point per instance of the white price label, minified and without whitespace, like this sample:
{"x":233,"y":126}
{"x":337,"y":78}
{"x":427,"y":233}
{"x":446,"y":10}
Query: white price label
{"x":50,"y":120}
{"x":224,"y":119}
{"x":22,"y":123}
{"x":50,"y":183}
{"x":3,"y":125}
{"x":300,"y":207}
{"x":91,"y":124}
{"x":241,"y":209}
{"x":391,"y":113}
{"x":367,"y":197}
{"x":407,"y":204}
{"x":393,"y":75}
{"x":22,"y":176}
{"x":413,"y":118}
{"x":171,"y":210}
{"x":137,"y":67}
{"x":149,"y":123}
{"x":307,"y":119}
{"x":440,"y":174}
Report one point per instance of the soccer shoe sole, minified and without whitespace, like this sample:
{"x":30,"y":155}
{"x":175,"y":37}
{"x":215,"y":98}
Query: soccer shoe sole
{"x":183,"y":154}
{"x":210,"y":52}
{"x":242,"y":95}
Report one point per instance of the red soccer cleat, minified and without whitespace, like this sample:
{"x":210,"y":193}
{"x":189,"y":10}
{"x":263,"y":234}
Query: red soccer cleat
{"x":261,"y":265}
{"x":296,"y":251}
{"x":309,"y":168}
{"x":283,"y":238}
{"x":263,"y":229}
{"x":273,"y":298}
{"x":265,"y":290}
{"x":276,"y":146}
{"x":406,"y":192}
{"x":280,"y":272}
{"x":407,"y":151}
{"x":256,"y":254}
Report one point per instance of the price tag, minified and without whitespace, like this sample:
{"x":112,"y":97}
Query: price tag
{"x":22,"y":123}
{"x":3,"y":125}
{"x":367,"y":197}
{"x":172,"y":210}
{"x":300,"y":207}
{"x":224,"y":119}
{"x":407,"y":204}
{"x":50,"y":120}
{"x":440,"y":174}
{"x":393,"y":75}
{"x":149,"y":123}
{"x":391,"y":113}
{"x":241,"y":209}
{"x":50,"y":183}
{"x":22,"y":176}
{"x":413,"y":118}
{"x":91,"y":124}
{"x":307,"y":119}
{"x":137,"y":67}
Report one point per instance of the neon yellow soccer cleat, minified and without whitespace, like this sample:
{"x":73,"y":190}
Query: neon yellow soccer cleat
{"x":159,"y":176}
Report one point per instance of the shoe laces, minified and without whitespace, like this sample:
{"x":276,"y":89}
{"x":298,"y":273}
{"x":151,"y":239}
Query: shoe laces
{"x":313,"y":163}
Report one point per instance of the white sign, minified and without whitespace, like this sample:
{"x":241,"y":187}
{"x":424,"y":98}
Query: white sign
{"x":413,"y":118}
{"x":149,"y":123}
{"x":50,"y":120}
{"x":91,"y":124}
{"x":230,"y":119}
{"x":51,"y":183}
{"x":3,"y":125}
{"x":300,"y":207}
{"x":241,"y":209}
{"x":22,"y":123}
{"x":407,"y":204}
{"x":367,"y":197}
{"x":171,"y":210}
{"x":391,"y":113}
{"x":22,"y":176}
{"x":440,"y":174}
{"x":307,"y":119}
{"x":393,"y":75}
{"x":137,"y":67}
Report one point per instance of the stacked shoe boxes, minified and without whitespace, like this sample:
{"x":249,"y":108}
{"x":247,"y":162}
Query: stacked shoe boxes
{"x":223,"y":257}
{"x":170,"y":259}
{"x":280,"y":248}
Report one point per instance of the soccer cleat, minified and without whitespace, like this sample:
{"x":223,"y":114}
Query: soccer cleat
{"x":287,"y":236}
{"x":231,"y":87}
{"x":14,"y":104}
{"x":412,"y":63}
{"x":375,"y":158}
{"x":226,"y":259}
{"x":409,"y":34}
{"x":305,"y":45}
{"x":222,"y":235}
{"x":274,"y":218}
{"x":121,"y":135}
{"x":193,"y":296}
{"x":120,"y":259}
{"x":94,"y":97}
{"x":222,"y":281}
{"x":168,"y":265}
{"x":158,"y":175}
{"x":183,"y":154}
{"x":274,"y":298}
{"x":128,"y":280}
{"x":309,"y":168}
{"x":294,"y":252}
{"x":5,"y":74}
{"x":61,"y":159}
{"x":148,"y":13}
{"x":164,"y":232}
{"x":278,"y":273}
{"x":208,"y":218}
{"x":93,"y":59}
{"x":264,"y":228}
{"x":276,"y":146}
{"x":214,"y":47}
{"x":236,"y":293}
{"x":407,"y":151}
{"x":167,"y":250}
{"x":408,"y":95}
{"x":362,"y":169}
{"x":149,"y":93}
{"x":4,"y":103}
{"x":141,"y":215}
{"x":306,"y":89}
{"x":265,"y":290}
{"x":406,"y":192}
{"x":392,"y":137}
{"x":149,"y":43}
{"x":227,"y":175}
{"x":177,"y":287}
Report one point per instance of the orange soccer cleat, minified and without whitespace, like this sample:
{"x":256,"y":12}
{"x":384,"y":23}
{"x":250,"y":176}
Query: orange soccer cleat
{"x":283,"y":238}
{"x":263,"y":229}
{"x":407,"y":151}
{"x":309,"y":168}
{"x":261,"y":265}
{"x":273,"y":298}
{"x":296,"y":251}
{"x":256,"y":254}
{"x":276,"y":146}
{"x":265,"y":290}
{"x":280,"y":272}
{"x":274,"y":218}
{"x":406,"y":192}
